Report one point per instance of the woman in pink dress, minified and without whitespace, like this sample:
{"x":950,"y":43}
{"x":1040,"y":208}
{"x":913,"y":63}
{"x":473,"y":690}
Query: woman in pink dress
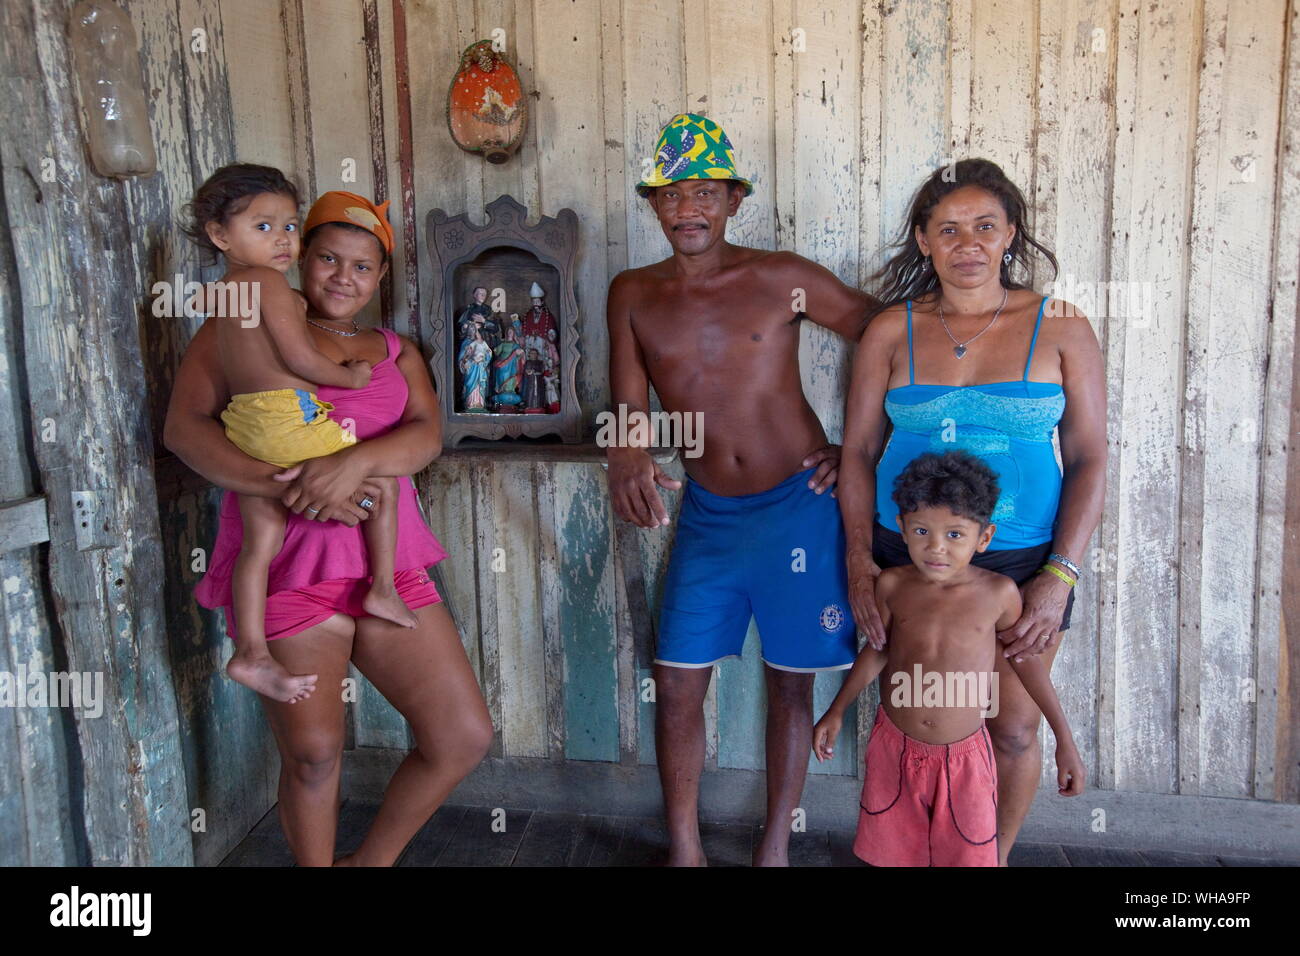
{"x":314,"y":620}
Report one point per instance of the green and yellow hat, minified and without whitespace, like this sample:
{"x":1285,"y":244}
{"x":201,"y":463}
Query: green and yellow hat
{"x":692,"y":147}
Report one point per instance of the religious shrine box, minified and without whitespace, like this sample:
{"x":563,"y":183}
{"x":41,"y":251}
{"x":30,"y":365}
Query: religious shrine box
{"x":503,"y":324}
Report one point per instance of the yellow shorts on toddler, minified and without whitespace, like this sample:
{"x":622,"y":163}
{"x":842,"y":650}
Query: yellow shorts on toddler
{"x":284,"y":426}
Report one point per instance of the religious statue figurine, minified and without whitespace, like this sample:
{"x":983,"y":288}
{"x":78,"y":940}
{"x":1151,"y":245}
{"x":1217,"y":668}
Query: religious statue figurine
{"x":479,"y":314}
{"x":506,"y":372}
{"x":534,"y":390}
{"x":552,"y":378}
{"x":473,"y":362}
{"x":540,"y":332}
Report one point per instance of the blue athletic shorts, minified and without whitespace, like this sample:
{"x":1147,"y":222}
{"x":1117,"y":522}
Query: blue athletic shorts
{"x":778,"y":555}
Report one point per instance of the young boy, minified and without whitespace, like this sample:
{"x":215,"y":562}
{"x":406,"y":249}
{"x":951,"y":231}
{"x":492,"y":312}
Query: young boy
{"x":930,"y":796}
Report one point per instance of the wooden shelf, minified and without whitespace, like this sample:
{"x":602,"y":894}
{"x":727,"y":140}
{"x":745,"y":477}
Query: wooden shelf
{"x":478,"y":449}
{"x":174,"y":479}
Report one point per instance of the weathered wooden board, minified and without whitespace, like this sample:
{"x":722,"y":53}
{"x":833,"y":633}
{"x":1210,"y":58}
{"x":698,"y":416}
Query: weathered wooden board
{"x":571,"y":166}
{"x":1279,"y":587}
{"x":260,"y":104}
{"x":1151,"y":205}
{"x":446,"y":496}
{"x":656,"y":547}
{"x":584,"y":538}
{"x":654,"y":84}
{"x":734,"y":73}
{"x":482,"y":488}
{"x":1233,"y":215}
{"x":514,"y":566}
{"x":741,"y":694}
{"x":549,"y":591}
{"x":35,"y":797}
{"x":227,"y":748}
{"x":336,"y":74}
{"x":81,"y":346}
{"x":1077,"y":54}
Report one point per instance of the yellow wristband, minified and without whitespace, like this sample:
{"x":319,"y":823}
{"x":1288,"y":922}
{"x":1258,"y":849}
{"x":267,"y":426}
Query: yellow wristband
{"x":1059,"y":573}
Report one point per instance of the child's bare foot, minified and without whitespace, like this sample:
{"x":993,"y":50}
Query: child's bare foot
{"x":267,"y":676}
{"x":384,"y":602}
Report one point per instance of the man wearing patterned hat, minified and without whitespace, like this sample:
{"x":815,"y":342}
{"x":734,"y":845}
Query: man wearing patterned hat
{"x":715,"y":328}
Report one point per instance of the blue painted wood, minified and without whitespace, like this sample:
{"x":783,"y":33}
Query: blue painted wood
{"x":742,"y":695}
{"x":376,"y":722}
{"x":825,"y":687}
{"x":227,"y":750}
{"x":587,"y":614}
{"x":645,"y":727}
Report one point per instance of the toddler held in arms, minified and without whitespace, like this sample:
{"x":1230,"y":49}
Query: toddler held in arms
{"x":248,"y":214}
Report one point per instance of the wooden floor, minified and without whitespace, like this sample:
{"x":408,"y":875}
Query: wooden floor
{"x":464,"y":836}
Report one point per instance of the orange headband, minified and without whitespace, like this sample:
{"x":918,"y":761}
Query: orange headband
{"x":354,"y":210}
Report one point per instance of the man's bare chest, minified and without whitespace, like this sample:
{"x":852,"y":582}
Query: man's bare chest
{"x":682,"y":333}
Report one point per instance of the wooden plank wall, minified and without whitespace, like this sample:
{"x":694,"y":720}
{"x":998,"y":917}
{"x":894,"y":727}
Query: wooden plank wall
{"x":1148,"y":141}
{"x":1158,"y":145}
{"x":77,"y":241}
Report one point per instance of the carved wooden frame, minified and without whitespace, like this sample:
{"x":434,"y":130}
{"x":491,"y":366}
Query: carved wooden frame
{"x":454,"y":241}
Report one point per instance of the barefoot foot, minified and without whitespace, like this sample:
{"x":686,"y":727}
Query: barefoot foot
{"x":773,"y":851}
{"x":267,"y":676}
{"x":385,"y":603}
{"x":689,"y":854}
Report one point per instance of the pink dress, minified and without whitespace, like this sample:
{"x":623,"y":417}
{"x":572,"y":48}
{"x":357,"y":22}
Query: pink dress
{"x":322,"y":567}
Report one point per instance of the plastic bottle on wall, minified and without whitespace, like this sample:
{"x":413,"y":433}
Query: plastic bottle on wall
{"x":115,"y":114}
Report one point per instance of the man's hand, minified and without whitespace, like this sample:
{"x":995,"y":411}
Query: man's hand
{"x":863,"y":572}
{"x":827,"y":461}
{"x":633,"y":475}
{"x":1044,"y":597}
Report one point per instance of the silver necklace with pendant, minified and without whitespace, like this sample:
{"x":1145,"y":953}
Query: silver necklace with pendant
{"x":355,"y":328}
{"x":959,"y":348}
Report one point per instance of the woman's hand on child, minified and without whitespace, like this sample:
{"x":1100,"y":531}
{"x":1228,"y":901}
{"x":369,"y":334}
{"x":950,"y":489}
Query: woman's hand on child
{"x":361,"y":370}
{"x":327,"y":489}
{"x":824,"y":734}
{"x":1044,"y":597}
{"x":1070,"y":775}
{"x":863,"y":574}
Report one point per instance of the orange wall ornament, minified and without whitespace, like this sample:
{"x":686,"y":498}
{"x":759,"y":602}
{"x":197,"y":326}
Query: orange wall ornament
{"x":486,"y":112}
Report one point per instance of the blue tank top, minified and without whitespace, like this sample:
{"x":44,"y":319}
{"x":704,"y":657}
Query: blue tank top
{"x":1007,"y":424}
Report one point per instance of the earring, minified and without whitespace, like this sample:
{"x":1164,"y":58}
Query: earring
{"x":1006,"y":258}
{"x":925,"y":263}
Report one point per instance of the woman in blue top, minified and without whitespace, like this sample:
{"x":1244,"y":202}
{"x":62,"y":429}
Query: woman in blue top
{"x":962,"y":355}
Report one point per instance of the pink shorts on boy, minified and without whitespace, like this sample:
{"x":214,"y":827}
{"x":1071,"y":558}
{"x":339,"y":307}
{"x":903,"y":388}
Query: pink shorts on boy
{"x":928,"y":804}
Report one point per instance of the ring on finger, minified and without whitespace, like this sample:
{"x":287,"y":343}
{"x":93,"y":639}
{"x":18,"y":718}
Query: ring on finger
{"x":367,"y":502}
{"x":314,"y":511}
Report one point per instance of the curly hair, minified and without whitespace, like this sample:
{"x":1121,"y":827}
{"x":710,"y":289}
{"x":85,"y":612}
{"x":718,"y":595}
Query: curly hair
{"x":907,"y":273}
{"x":955,"y":480}
{"x":226,"y":193}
